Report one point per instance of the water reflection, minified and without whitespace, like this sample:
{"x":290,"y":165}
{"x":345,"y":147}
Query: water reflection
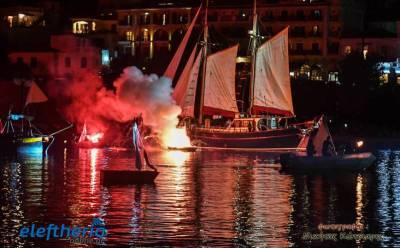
{"x":199,"y":199}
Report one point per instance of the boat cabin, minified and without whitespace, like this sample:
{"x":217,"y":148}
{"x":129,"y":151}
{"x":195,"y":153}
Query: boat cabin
{"x":256,"y":124}
{"x":249,"y":124}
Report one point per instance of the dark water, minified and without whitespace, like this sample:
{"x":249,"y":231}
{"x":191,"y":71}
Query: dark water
{"x":202,"y":199}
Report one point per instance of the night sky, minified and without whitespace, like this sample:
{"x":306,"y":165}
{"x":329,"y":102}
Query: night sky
{"x":388,"y":8}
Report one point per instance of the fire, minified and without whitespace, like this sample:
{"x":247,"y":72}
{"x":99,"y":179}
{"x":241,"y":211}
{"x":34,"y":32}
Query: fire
{"x":176,"y":138}
{"x":94,"y":138}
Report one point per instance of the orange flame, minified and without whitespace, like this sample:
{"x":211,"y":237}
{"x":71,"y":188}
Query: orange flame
{"x":176,"y":138}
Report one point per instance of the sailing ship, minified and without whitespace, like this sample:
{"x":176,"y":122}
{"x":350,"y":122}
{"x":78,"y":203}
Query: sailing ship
{"x":19,"y":134}
{"x":265,"y":124}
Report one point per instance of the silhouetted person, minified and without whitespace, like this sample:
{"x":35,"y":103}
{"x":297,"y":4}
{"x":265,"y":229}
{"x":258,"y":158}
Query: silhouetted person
{"x":250,"y":126}
{"x":310,"y":147}
{"x":327,"y":148}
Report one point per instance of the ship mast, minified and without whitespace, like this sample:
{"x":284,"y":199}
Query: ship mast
{"x":253,"y":49}
{"x":204,"y":68}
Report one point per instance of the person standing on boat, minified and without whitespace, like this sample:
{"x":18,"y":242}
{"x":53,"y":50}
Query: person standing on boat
{"x":137,"y":144}
{"x":327,"y":147}
{"x":310,"y":147}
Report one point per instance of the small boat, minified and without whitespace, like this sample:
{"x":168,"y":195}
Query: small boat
{"x":120,"y":176}
{"x":347,"y":162}
{"x":19,"y":135}
{"x":317,"y":157}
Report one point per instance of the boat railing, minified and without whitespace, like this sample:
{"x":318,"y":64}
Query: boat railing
{"x":224,"y":129}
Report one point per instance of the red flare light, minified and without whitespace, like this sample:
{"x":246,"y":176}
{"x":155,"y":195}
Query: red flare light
{"x":94,"y":138}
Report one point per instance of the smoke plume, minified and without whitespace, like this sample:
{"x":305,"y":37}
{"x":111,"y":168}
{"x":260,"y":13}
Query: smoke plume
{"x":86,"y":100}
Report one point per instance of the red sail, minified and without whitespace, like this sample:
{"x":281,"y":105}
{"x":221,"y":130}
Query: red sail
{"x":35,"y":95}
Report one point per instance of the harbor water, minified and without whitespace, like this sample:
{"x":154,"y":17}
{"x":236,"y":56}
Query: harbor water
{"x":200,"y":199}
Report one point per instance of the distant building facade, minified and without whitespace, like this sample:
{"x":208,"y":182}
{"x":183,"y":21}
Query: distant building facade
{"x":322,"y":32}
{"x":316,"y":28}
{"x":68,"y":57}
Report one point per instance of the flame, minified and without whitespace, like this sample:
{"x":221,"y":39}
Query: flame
{"x":94,"y":138}
{"x":176,"y":138}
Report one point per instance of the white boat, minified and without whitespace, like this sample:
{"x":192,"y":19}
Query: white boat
{"x":320,"y":157}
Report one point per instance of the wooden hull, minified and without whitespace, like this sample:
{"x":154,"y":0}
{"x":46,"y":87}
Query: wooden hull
{"x":278,"y":139}
{"x":126,"y":176}
{"x":352,"y":162}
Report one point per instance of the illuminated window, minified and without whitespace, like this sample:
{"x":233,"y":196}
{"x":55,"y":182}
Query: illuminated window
{"x":129,"y":36}
{"x":146,"y":18}
{"x":10,"y":21}
{"x":21,"y":18}
{"x":305,"y":71}
{"x":384,"y":78}
{"x":164,"y":19}
{"x":315,"y":30}
{"x":316,"y":73}
{"x":145,"y":34}
{"x":93,"y":26}
{"x":365,"y":51}
{"x":347,"y":49}
{"x":333,"y":76}
{"x":80,"y":27}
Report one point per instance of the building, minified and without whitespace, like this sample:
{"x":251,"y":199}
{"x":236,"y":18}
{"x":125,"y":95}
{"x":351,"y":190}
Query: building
{"x":316,"y":28}
{"x":322,"y":32}
{"x":68,"y":57}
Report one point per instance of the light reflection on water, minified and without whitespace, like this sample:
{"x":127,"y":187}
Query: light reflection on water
{"x":199,"y":199}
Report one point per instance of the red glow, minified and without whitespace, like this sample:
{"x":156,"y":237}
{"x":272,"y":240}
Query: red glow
{"x":94,"y":138}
